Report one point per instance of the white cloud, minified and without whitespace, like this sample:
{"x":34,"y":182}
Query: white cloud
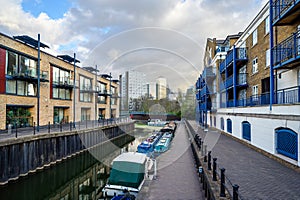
{"x":91,"y":25}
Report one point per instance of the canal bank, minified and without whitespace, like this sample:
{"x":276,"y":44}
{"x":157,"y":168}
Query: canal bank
{"x":79,"y":177}
{"x":22,"y":156}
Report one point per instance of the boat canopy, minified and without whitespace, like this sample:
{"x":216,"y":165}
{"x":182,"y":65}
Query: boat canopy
{"x":128,"y":170}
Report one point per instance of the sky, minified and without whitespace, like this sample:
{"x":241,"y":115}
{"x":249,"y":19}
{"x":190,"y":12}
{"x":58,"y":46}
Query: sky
{"x":158,"y":37}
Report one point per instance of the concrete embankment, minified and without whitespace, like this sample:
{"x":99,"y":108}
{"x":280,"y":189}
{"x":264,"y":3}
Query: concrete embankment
{"x":21,"y":156}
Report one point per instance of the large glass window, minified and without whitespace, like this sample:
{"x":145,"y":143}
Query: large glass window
{"x":61,"y":76}
{"x":22,"y":88}
{"x":62,"y":93}
{"x":12,"y":63}
{"x":27,"y":67}
{"x":11,"y":86}
{"x":85,"y":89}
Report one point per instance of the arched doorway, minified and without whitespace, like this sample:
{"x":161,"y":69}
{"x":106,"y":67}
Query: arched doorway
{"x":246,"y":130}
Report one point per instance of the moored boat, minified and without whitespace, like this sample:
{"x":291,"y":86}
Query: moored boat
{"x":164,"y":143}
{"x":147,"y":146}
{"x":128,"y":173}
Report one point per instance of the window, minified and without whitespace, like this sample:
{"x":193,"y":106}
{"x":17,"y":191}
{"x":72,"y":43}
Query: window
{"x":254,"y":37}
{"x":268,"y":58}
{"x":12,"y":63}
{"x":61,"y":93}
{"x":85,"y":89}
{"x":21,"y":88}
{"x":27,"y":67}
{"x":267,"y":25}
{"x":255,"y":92}
{"x":61,"y":76}
{"x":254,"y":66}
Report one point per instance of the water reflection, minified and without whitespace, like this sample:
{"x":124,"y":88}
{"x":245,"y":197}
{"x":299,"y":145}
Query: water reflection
{"x":81,"y":177}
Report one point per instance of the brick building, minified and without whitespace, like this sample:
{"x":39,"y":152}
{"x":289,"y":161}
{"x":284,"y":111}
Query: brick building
{"x":63,"y":93}
{"x":257,"y":82}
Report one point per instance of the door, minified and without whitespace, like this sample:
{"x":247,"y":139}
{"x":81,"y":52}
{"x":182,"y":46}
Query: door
{"x":246,"y":130}
{"x":287,"y":143}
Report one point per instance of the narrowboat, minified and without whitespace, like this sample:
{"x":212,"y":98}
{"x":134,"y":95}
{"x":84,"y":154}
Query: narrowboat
{"x":128,"y":173}
{"x":147,"y":146}
{"x":164,"y":143}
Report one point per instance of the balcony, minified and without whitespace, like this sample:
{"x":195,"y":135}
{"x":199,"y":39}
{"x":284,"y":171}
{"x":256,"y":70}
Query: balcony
{"x":29,"y":75}
{"x":242,"y":80}
{"x":222,"y":86}
{"x":229,"y":58}
{"x":222,"y":66}
{"x":285,"y":11}
{"x":86,"y":88}
{"x":203,"y":91}
{"x":63,"y":82}
{"x":103,"y":93}
{"x":229,"y":82}
{"x":287,"y":53}
{"x":209,"y":73}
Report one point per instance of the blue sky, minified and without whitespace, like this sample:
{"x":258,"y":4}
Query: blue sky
{"x":55,"y":9}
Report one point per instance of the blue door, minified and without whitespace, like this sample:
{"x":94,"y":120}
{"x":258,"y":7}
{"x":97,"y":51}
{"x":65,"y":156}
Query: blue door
{"x":287,"y":143}
{"x":246,"y":130}
{"x":229,"y":126}
{"x":222,"y":123}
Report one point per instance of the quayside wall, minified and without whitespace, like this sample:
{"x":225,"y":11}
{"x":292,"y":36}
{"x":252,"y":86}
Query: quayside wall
{"x":24,"y":155}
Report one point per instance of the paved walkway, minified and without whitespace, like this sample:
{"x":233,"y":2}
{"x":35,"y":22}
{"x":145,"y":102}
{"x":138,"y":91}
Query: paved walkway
{"x":177,"y":177}
{"x":259,"y":177}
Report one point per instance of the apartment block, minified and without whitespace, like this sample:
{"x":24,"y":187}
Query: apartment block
{"x":257,"y":82}
{"x":56,"y":91}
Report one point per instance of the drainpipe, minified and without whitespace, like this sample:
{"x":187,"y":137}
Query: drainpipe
{"x":74,"y":87}
{"x":234,"y":76}
{"x":38,"y":84}
{"x":271,"y":56}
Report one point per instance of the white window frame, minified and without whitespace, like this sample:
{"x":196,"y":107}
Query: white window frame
{"x":268,"y":57}
{"x":267,"y":25}
{"x":255,"y":65}
{"x":255,"y":92}
{"x":254,"y":37}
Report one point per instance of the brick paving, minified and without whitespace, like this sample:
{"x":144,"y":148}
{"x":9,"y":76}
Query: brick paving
{"x":259,"y":177}
{"x":177,"y":177}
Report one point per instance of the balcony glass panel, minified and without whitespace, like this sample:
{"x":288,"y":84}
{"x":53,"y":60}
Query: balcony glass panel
{"x":229,"y":81}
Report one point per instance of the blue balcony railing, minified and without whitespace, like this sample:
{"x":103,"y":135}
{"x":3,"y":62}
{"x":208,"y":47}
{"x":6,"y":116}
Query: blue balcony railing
{"x":287,"y":51}
{"x":222,"y":66}
{"x":281,"y":7}
{"x":229,"y":57}
{"x":242,"y":79}
{"x":288,"y":95}
{"x":229,"y":82}
{"x":241,"y":53}
{"x":284,"y":96}
{"x":203,"y":91}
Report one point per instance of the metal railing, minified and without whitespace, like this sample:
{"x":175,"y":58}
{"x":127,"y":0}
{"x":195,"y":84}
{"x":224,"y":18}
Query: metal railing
{"x":287,"y":49}
{"x":280,"y":7}
{"x":63,"y":126}
{"x":284,"y":96}
{"x":229,"y":81}
{"x":226,"y":187}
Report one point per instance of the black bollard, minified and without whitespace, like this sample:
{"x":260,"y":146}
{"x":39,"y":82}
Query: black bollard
{"x":222,"y":189}
{"x":235,"y":188}
{"x":209,"y":161}
{"x":49,"y":127}
{"x":214,"y":169}
{"x":16,"y":130}
{"x":60,"y":127}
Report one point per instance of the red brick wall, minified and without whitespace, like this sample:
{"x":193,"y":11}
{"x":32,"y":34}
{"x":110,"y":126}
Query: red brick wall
{"x":2,"y":70}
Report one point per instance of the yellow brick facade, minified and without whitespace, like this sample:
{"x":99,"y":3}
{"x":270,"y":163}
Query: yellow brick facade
{"x":47,"y":103}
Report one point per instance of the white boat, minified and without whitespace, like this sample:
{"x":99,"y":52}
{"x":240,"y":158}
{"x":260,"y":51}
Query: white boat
{"x":129,"y":172}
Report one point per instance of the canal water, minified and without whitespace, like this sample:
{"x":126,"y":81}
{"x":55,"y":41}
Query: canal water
{"x":80,"y":177}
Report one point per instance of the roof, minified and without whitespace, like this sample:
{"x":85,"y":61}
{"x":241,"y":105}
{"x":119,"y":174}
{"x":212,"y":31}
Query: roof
{"x":68,"y":58}
{"x":131,"y":157}
{"x":91,"y":69}
{"x":30,"y":41}
{"x":106,"y":76}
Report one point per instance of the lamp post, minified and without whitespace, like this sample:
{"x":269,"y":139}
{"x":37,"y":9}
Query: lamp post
{"x":38,"y":85}
{"x":74,"y":87}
